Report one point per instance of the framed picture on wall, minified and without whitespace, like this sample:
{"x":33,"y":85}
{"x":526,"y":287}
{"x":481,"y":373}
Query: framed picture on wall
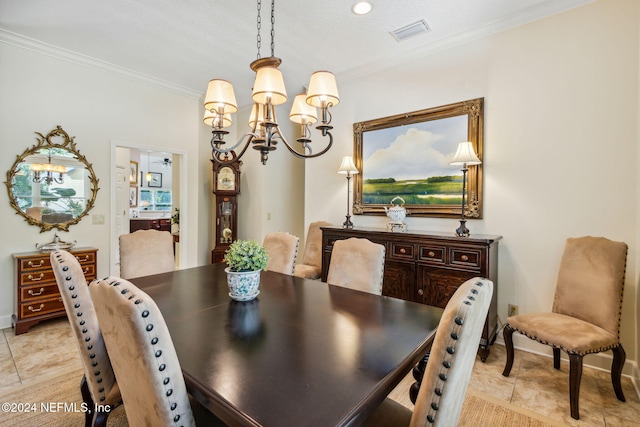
{"x":156,"y":179}
{"x":133,"y":196}
{"x":133,"y":172}
{"x":408,"y":155}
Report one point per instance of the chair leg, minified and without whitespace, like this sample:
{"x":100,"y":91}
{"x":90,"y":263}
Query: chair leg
{"x":507,"y":334}
{"x":619,"y":357}
{"x":556,"y":358}
{"x":86,"y":398}
{"x":575,"y":375}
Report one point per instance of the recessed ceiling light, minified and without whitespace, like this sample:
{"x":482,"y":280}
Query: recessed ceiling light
{"x":362,"y":8}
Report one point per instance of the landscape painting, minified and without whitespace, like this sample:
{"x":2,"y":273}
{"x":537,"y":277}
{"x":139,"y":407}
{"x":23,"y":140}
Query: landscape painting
{"x":408,"y":156}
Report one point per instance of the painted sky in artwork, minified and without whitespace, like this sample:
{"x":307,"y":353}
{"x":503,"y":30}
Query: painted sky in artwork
{"x":415,"y":151}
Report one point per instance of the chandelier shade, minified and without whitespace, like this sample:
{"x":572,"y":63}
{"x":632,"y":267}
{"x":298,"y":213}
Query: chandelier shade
{"x":44,"y":172}
{"x":220,"y":97}
{"x":301,"y":112}
{"x":268,"y":92}
{"x":269,"y":86}
{"x":323,"y":90}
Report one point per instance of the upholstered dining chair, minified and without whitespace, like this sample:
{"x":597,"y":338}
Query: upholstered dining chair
{"x":144,"y":358}
{"x":357,"y":264}
{"x":585,"y":316}
{"x":282,"y":249}
{"x":311,"y":266}
{"x":146,"y":252}
{"x":98,"y":385}
{"x":453,"y":353}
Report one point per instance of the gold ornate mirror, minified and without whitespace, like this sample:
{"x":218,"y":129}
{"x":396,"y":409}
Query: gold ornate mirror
{"x":51,"y":184}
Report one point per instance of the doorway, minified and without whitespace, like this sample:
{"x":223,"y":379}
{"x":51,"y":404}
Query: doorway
{"x":147,"y":183}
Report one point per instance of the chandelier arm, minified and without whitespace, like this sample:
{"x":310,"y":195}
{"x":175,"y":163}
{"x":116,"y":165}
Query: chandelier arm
{"x":217,"y":152}
{"x":306,"y":156}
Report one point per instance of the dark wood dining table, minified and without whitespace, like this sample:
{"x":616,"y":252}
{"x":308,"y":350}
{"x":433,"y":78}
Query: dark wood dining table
{"x":303,"y":353}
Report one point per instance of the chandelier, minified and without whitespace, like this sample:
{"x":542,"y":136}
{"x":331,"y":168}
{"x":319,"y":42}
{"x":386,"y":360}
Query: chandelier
{"x":46,"y":172}
{"x":269,"y":91}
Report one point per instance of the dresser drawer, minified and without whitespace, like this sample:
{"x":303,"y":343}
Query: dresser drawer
{"x":432,"y":254}
{"x":30,"y":293}
{"x":86,"y":257}
{"x":37,"y":277}
{"x":41,"y":307}
{"x":468,"y":258}
{"x":30,"y":264}
{"x":402,"y":251}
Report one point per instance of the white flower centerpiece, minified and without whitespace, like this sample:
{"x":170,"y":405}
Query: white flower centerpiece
{"x":245,"y":260}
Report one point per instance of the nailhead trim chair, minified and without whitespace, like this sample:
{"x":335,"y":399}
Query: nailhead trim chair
{"x":143,"y":356}
{"x":453,"y":353}
{"x":98,"y":384}
{"x":282,"y":249}
{"x":146,"y":252}
{"x":585,"y":317}
{"x":311,"y":266}
{"x":357,"y":264}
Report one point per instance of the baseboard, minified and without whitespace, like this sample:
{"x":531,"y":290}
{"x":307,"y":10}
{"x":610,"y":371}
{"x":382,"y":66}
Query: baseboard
{"x":600,"y":361}
{"x":5,"y":321}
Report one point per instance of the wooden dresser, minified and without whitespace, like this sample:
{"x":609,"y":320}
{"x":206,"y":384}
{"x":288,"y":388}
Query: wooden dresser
{"x":160,"y":224}
{"x":428,"y":267}
{"x":37,"y":293}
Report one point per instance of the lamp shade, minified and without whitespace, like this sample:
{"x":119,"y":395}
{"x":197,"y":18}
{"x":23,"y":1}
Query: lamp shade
{"x":301,"y":112}
{"x":347,"y":167}
{"x":269,"y":86}
{"x":210,"y":116}
{"x":323,"y":89}
{"x":465,"y":155}
{"x":257,"y":115}
{"x":220,"y":97}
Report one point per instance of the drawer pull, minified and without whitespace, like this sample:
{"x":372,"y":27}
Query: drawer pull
{"x":403,"y":251}
{"x":431,"y":254}
{"x":420,"y":292}
{"x":464,"y":258}
{"x":35,"y":310}
{"x":30,"y":292}
{"x":86,"y":258}
{"x":86,"y":270}
{"x":35,"y":279}
{"x":31,"y":264}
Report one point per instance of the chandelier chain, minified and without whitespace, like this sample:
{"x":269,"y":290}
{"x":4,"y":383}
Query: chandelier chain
{"x":259,"y":26}
{"x":273,"y":28}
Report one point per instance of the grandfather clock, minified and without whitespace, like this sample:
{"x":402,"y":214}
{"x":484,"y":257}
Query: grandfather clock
{"x":226,"y":187}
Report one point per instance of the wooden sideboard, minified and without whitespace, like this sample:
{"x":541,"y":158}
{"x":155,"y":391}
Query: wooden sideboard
{"x":428,"y":267}
{"x":38,"y":297}
{"x":160,"y":224}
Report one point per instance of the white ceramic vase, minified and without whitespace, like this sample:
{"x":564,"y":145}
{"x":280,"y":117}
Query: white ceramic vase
{"x":243,"y":285}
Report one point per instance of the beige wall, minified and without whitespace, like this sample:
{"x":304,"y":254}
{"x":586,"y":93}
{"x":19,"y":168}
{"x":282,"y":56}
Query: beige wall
{"x":561,"y":142}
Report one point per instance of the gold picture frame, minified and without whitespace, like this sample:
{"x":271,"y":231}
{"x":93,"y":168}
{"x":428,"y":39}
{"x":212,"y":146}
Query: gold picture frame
{"x":133,"y":172}
{"x":408,"y":155}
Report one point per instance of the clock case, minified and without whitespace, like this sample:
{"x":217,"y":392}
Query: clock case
{"x":226,"y":207}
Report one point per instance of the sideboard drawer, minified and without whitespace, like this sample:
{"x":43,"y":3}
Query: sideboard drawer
{"x":432,"y":254}
{"x":35,"y":277}
{"x":466,"y":258}
{"x":401,"y":251}
{"x":86,"y":257}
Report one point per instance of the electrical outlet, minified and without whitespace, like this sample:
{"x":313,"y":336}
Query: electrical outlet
{"x":512,"y":310}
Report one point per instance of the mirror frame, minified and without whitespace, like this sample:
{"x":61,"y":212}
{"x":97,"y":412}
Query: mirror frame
{"x":46,"y":142}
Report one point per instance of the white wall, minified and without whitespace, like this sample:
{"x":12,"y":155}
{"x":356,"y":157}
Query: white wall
{"x":560,"y":150}
{"x":40,"y":92}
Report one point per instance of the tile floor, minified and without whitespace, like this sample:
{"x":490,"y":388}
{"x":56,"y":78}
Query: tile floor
{"x":50,"y":349}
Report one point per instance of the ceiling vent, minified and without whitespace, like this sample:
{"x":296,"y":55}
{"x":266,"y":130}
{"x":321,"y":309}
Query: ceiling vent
{"x":411,"y":30}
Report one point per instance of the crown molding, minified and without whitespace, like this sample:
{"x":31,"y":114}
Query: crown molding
{"x":34,"y":45}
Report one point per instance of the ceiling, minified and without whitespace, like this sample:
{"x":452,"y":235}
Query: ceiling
{"x":185,"y":43}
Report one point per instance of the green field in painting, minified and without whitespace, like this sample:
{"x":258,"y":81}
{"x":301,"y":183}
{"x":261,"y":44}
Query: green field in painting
{"x":437,"y":190}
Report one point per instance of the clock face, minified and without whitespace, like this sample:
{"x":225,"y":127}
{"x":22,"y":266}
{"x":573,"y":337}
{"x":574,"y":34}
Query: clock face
{"x":226,"y":179}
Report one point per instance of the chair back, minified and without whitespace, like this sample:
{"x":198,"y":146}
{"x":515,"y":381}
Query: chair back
{"x":591,"y":281}
{"x":142,"y":354}
{"x":84,"y":323}
{"x":146,"y":252}
{"x":282,"y":249}
{"x":311,"y":266}
{"x":452,"y":355}
{"x":357,"y":264}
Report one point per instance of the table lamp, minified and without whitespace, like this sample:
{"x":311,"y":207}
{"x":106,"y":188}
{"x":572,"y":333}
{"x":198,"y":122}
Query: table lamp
{"x":348,"y":168}
{"x":465,"y":156}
